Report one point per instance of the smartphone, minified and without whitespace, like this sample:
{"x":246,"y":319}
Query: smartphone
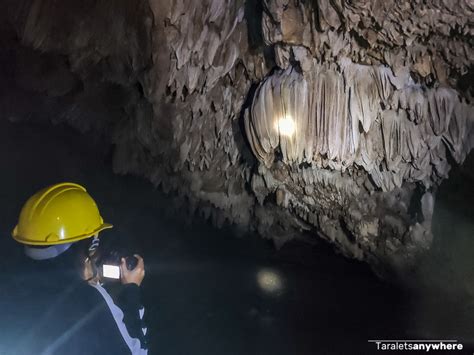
{"x":111,"y":271}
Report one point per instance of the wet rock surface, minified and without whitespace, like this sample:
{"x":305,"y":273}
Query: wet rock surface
{"x":196,"y":97}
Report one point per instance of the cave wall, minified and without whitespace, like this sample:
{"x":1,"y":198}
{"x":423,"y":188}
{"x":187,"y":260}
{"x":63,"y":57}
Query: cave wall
{"x":190,"y":94}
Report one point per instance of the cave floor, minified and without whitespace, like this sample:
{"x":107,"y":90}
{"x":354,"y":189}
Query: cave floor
{"x":208,"y":291}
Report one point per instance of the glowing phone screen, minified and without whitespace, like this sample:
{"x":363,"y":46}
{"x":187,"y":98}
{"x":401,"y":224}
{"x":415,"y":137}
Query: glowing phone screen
{"x":111,"y":271}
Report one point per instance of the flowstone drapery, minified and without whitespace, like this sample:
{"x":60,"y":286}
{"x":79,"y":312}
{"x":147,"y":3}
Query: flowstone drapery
{"x":363,"y":117}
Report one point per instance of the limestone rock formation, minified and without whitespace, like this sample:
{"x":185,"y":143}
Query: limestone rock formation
{"x":297,"y":119}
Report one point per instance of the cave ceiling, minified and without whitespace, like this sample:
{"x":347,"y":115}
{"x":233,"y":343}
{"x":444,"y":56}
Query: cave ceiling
{"x":296,"y":119}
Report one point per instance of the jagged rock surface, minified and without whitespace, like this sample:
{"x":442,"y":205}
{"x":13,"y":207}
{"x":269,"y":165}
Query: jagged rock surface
{"x":378,"y":95}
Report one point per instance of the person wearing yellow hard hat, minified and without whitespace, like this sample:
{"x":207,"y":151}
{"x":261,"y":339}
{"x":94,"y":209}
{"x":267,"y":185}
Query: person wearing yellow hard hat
{"x":59,"y":227}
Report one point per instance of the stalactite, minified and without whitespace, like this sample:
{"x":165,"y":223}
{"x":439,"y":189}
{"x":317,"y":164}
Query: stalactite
{"x":330,"y":116}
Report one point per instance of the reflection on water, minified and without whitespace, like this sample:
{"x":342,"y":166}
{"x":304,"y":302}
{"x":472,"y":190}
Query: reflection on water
{"x":269,"y":281}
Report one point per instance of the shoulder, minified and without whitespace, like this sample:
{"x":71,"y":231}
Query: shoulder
{"x":72,"y":319}
{"x":95,"y":330}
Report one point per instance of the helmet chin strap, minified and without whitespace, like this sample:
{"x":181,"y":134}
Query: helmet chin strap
{"x":46,"y":253}
{"x":95,"y":243}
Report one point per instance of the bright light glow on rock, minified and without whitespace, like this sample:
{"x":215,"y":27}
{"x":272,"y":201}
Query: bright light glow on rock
{"x":269,"y":281}
{"x":286,"y":126}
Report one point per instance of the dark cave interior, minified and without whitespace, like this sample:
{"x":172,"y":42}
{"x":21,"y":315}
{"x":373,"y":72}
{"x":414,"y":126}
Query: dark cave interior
{"x":298,"y":176}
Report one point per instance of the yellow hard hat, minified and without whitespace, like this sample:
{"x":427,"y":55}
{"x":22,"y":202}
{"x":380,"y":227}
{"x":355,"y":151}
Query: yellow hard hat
{"x":58,"y":214}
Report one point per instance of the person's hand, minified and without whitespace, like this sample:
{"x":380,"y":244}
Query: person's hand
{"x":132,"y":276}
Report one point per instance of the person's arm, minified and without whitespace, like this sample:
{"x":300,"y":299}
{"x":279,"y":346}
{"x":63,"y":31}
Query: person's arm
{"x":129,"y":300}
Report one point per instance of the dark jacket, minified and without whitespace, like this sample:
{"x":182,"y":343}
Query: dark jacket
{"x":46,"y":309}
